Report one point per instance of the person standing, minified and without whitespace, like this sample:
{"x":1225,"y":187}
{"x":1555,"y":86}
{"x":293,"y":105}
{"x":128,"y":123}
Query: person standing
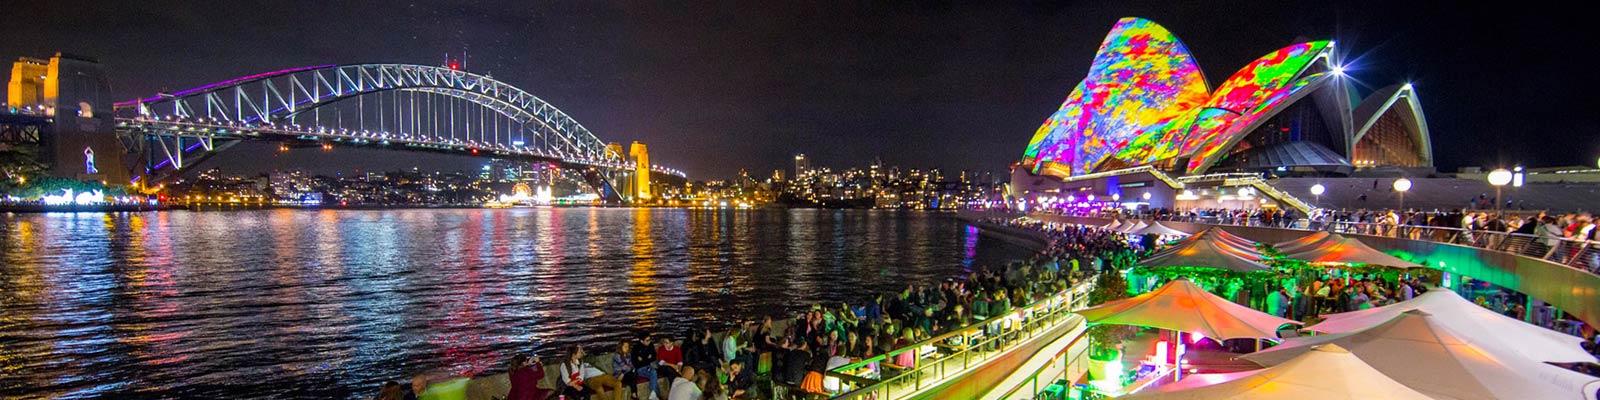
{"x":1278,"y":302}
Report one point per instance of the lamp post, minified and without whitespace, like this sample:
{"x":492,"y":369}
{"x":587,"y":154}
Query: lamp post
{"x":1316,"y":192}
{"x":1499,"y":178}
{"x":1402,"y":185}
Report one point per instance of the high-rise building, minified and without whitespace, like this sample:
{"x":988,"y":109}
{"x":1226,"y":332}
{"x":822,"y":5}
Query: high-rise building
{"x":777,"y":175}
{"x":801,"y":166}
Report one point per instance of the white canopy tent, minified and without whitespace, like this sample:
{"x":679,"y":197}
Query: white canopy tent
{"x":1416,"y":350}
{"x":1160,"y":229}
{"x":1131,"y":227}
{"x":1326,"y":372}
{"x":1484,"y":328}
{"x":1115,"y":223}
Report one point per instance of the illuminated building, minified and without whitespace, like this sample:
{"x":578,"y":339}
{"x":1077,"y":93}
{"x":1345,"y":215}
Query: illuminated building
{"x":1146,"y":103}
{"x":801,"y":165}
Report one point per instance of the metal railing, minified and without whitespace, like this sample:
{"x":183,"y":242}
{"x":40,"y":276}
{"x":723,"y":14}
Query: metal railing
{"x":1025,"y":323}
{"x":1032,"y":382}
{"x":1580,"y":254}
{"x":1162,"y":176}
{"x":1583,"y":255}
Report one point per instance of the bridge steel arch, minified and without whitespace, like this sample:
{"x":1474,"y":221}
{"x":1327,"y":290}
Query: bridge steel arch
{"x":274,"y":103}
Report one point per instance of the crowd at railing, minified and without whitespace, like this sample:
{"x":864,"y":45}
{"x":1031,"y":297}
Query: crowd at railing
{"x":1567,"y":239}
{"x":994,"y":327}
{"x":798,"y":356}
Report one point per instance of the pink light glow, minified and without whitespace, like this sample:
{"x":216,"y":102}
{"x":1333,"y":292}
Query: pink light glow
{"x":226,"y":83}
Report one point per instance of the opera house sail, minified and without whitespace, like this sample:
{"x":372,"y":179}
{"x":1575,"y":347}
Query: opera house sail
{"x":1146,"y":102}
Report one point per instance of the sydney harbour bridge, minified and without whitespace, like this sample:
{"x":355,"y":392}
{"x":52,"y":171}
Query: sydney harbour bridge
{"x":406,"y":107}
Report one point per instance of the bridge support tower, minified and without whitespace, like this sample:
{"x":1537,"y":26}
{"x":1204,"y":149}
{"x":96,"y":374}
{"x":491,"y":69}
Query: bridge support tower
{"x":80,"y":142}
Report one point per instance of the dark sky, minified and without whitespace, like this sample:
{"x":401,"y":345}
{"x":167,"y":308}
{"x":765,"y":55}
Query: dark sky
{"x":718,"y":86}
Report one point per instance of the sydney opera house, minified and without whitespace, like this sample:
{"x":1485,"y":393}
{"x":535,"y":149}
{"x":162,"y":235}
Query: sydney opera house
{"x":1145,"y":102}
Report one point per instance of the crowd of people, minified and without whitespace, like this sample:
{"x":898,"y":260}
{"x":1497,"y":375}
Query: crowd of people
{"x":800,"y":350}
{"x":1533,"y":234}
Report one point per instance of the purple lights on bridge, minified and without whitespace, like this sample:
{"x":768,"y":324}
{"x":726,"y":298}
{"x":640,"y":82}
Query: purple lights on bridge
{"x":233,"y":81}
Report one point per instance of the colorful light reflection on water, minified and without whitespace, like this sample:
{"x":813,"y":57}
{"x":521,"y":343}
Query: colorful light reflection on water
{"x":326,"y":304}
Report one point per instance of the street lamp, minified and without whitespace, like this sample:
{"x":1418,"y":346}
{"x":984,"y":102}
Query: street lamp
{"x":1317,"y":190}
{"x":1402,"y":185}
{"x":1499,"y":178}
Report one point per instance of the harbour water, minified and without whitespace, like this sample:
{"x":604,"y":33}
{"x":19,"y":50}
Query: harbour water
{"x":327,"y":304}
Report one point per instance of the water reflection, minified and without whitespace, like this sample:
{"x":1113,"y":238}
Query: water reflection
{"x":325,"y":304}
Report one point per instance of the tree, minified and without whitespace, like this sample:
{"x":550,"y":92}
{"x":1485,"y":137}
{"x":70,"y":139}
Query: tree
{"x":1104,"y":339}
{"x":19,"y":163}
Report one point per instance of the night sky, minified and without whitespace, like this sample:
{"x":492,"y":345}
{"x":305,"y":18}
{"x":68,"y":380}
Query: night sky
{"x":715,"y":87}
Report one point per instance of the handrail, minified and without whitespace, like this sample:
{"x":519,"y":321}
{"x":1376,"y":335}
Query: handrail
{"x":1057,"y":310}
{"x":1579,"y":254}
{"x":1261,"y":184}
{"x":1162,"y":176}
{"x":1223,"y":176}
{"x":1033,"y":379}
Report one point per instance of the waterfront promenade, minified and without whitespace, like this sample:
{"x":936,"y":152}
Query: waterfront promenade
{"x":966,"y":361}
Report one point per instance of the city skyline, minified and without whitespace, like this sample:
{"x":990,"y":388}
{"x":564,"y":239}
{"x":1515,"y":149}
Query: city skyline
{"x":953,"y":86}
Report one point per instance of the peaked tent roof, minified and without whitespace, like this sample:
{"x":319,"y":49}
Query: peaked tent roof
{"x":1159,"y":229}
{"x":1301,"y":243}
{"x":1236,"y":240}
{"x":1343,"y":249}
{"x":1113,"y":225}
{"x":1132,"y":227}
{"x":1483,"y":327}
{"x":1416,"y":350}
{"x":1209,"y":248}
{"x":1180,"y":305}
{"x":1326,"y":372}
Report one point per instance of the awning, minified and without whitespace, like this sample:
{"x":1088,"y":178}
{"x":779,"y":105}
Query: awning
{"x":1160,"y":229}
{"x":1132,"y":227}
{"x":1115,"y":223}
{"x":1343,"y":249}
{"x":1180,"y":305}
{"x":1301,"y":243}
{"x":1207,"y":249}
{"x":1415,"y":349}
{"x":1481,"y":326}
{"x":1326,"y":372}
